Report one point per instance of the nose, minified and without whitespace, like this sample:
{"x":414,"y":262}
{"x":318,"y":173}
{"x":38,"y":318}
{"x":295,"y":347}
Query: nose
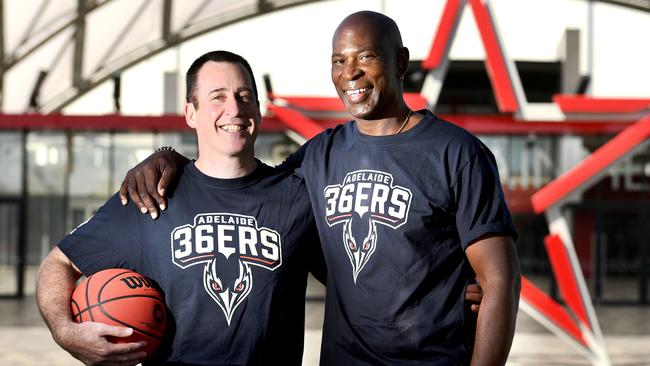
{"x":233,"y":107}
{"x":350,"y":70}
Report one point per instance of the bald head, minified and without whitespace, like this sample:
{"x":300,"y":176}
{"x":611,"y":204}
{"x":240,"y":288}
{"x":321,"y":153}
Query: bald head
{"x":368,"y":65}
{"x":370,"y":22}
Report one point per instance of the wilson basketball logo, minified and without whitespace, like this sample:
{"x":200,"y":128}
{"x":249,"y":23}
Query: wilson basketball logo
{"x":134,"y":282}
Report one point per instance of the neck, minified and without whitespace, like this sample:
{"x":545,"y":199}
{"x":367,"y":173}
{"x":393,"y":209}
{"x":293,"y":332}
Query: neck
{"x":225,"y":167}
{"x":398,"y":121}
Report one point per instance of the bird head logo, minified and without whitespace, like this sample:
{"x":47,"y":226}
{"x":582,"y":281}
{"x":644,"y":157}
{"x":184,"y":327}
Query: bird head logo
{"x":360,"y":239}
{"x":228,"y":288}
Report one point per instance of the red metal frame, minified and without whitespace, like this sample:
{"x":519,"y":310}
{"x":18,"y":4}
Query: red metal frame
{"x":297,"y":121}
{"x":570,"y":103}
{"x":551,"y":310}
{"x":315,"y":104}
{"x":279,"y":122}
{"x":333,"y":104}
{"x":495,"y":62}
{"x":566,"y":277}
{"x":597,"y":162}
{"x":111,"y":122}
{"x":453,"y":10}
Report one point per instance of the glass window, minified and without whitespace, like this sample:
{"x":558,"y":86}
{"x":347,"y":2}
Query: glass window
{"x":11,"y":155}
{"x":499,"y":146}
{"x":89,"y":166}
{"x":128,"y":150}
{"x":183,"y":142}
{"x":8,"y":247}
{"x":47,"y":156}
{"x":524,"y":162}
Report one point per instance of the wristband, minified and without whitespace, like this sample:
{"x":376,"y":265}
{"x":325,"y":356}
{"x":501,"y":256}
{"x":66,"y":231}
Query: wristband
{"x":164,"y":148}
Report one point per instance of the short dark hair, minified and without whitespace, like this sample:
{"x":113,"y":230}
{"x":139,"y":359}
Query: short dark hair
{"x":214,"y":56}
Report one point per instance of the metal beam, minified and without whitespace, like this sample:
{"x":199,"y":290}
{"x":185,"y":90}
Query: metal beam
{"x":23,"y":217}
{"x":34,"y":104}
{"x":79,"y":40}
{"x":641,"y":5}
{"x":194,"y":14}
{"x":35,"y":19}
{"x":66,"y":97}
{"x":264,"y":6}
{"x":121,"y":36}
{"x":570,"y":72}
{"x":15,"y":58}
{"x":167,"y":20}
{"x":2,"y":53}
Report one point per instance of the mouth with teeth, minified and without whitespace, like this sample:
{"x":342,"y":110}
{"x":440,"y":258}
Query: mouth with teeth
{"x":233,"y":128}
{"x":356,"y":95}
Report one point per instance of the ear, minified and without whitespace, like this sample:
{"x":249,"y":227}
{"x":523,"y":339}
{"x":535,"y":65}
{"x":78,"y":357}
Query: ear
{"x":190,"y":115}
{"x":402,"y":62}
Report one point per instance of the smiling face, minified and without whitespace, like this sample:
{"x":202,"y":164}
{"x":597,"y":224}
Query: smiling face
{"x":226,"y":115}
{"x":367,"y":63}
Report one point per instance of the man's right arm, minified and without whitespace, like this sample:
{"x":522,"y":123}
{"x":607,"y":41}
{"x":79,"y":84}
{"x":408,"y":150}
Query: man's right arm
{"x":147,"y":182}
{"x":55,"y":283}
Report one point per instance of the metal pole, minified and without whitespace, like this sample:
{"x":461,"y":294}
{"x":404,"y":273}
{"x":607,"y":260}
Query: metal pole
{"x":2,"y":52}
{"x":22,"y":222}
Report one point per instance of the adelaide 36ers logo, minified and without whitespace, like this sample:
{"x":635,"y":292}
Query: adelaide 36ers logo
{"x":366,"y":198}
{"x":228,"y":244}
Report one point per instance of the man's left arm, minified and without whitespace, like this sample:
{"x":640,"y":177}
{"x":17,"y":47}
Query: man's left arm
{"x":494,"y":260}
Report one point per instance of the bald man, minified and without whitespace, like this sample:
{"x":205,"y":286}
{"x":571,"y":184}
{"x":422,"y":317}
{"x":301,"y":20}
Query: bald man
{"x":409,"y":210}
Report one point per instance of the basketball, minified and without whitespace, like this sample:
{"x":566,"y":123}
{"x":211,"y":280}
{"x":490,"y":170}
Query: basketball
{"x":124,"y":298}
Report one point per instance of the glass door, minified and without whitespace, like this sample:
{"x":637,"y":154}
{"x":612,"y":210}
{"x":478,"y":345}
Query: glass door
{"x":12,"y":253}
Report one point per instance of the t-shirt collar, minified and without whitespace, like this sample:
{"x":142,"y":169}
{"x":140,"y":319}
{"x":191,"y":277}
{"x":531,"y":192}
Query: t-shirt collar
{"x":227,"y":184}
{"x":402,"y":137}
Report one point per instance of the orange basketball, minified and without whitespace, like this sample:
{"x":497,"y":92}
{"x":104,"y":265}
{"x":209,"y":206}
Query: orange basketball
{"x":122,"y":298}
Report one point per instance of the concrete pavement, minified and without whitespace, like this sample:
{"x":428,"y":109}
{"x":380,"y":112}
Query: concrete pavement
{"x":25,"y":340}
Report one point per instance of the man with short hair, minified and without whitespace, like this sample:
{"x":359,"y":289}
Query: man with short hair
{"x":231,"y":256}
{"x":409,"y":209}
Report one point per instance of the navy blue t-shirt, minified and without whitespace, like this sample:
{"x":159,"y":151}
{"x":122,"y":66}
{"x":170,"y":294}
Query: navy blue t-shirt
{"x":395,"y":215}
{"x":231,"y":257}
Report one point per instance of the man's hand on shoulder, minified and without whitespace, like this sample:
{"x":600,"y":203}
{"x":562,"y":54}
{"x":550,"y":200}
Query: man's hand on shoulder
{"x":147,"y":182}
{"x":88,"y":343}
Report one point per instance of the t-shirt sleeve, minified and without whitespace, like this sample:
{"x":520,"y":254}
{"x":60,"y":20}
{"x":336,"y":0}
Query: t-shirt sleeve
{"x":293,"y":163}
{"x":480,"y":204}
{"x":109,"y":239}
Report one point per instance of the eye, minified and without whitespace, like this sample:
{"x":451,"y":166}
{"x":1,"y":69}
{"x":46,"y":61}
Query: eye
{"x":366,"y":57}
{"x":337,"y":61}
{"x":216,"y":287}
{"x":366,"y":246}
{"x":352,"y":245}
{"x":219,"y":97}
{"x":239,"y":287}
